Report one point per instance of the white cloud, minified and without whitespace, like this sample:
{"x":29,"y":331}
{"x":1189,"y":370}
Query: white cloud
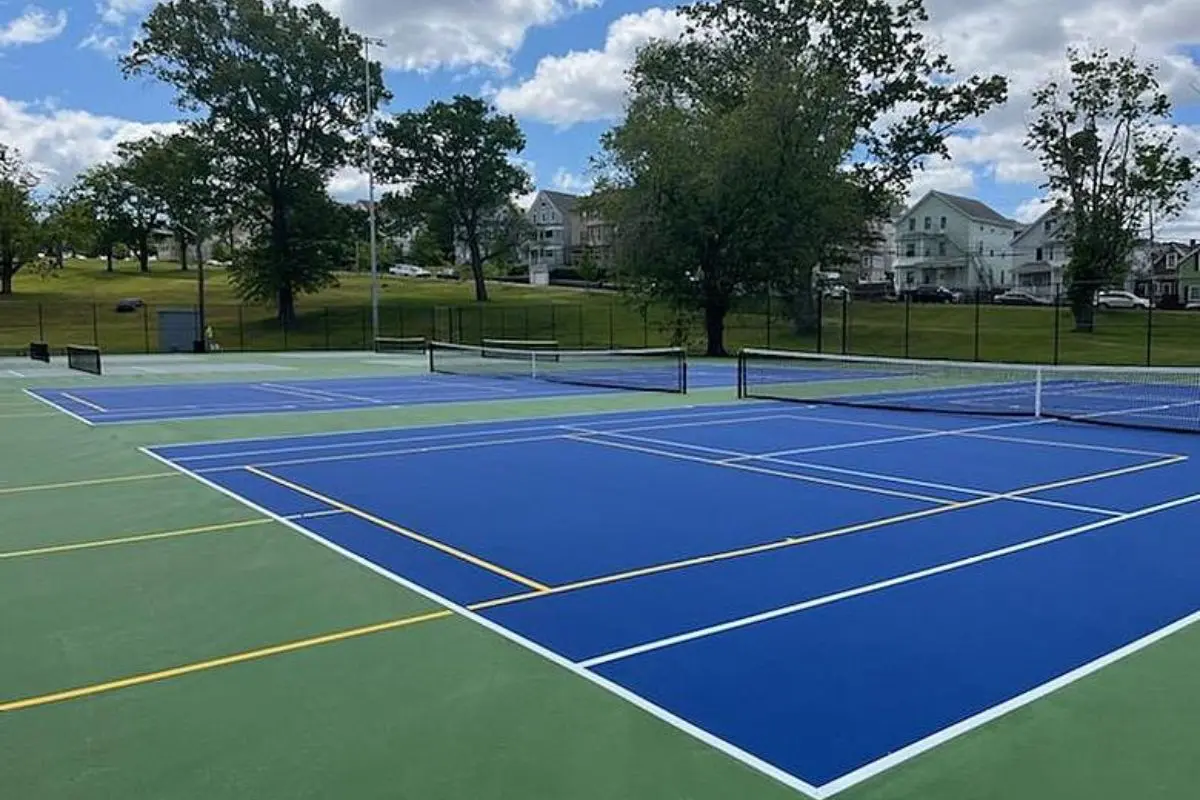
{"x":59,"y":143}
{"x":943,"y":176}
{"x":103,"y":42}
{"x":451,"y":33}
{"x":34,"y":26}
{"x":588,"y":84}
{"x":567,"y":181}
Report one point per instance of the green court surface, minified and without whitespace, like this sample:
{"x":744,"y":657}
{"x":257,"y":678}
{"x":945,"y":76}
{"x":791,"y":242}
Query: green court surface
{"x":161,"y":640}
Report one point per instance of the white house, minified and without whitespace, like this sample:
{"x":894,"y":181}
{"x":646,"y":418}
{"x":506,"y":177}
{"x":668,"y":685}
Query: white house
{"x":954,"y":242}
{"x":1040,"y":254}
{"x":556,"y":234}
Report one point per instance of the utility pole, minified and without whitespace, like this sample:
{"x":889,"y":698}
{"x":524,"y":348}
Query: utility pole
{"x":370,"y":137}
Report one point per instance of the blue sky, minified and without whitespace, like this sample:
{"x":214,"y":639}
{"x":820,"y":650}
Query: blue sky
{"x":558,"y":64}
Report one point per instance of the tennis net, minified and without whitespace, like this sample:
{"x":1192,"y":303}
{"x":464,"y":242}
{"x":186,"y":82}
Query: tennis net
{"x":1139,"y":397}
{"x":401,"y":344}
{"x":39,"y":351}
{"x":662,"y":369}
{"x":84,"y":358}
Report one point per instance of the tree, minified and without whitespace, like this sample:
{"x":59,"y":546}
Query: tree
{"x":456,"y":156}
{"x":139,"y":174}
{"x":70,"y":223}
{"x":277,"y":88}
{"x":103,"y":188}
{"x":1111,"y":161}
{"x":180,"y":173}
{"x":18,"y":217}
{"x":761,"y":144}
{"x":316,"y":246}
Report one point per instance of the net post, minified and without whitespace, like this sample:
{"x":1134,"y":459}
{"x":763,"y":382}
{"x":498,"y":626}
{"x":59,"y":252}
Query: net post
{"x":1037,"y":392}
{"x":431,"y":349}
{"x":533,"y":364}
{"x":1150,"y":331}
{"x":741,"y":375}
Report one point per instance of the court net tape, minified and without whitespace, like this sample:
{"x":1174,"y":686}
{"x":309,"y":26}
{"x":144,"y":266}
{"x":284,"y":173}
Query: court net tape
{"x":653,"y":369}
{"x":1139,"y":397}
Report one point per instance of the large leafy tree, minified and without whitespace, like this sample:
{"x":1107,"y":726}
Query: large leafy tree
{"x":1105,"y":142}
{"x":103,"y":188}
{"x":19,"y":231}
{"x":182,"y":176}
{"x":276,"y":87}
{"x":761,"y":144}
{"x":139,"y":172}
{"x":456,"y":156}
{"x":70,"y":223}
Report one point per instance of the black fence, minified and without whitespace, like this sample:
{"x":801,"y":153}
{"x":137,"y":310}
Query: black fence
{"x":973,"y":328}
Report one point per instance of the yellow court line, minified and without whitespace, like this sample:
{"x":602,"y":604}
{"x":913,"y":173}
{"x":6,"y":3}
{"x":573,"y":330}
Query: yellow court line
{"x":141,"y":537}
{"x":40,"y":487}
{"x":236,"y":658}
{"x":391,"y":526}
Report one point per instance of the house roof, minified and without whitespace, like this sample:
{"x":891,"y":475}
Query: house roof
{"x":562,"y":201}
{"x":975,"y":209}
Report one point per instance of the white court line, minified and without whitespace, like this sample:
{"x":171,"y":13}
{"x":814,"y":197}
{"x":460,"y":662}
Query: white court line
{"x":16,"y":374}
{"x":446,"y":436}
{"x":870,"y":442}
{"x":57,"y":407}
{"x":946,"y":734}
{"x":745,"y":757}
{"x":1020,"y":497}
{"x":583,"y":435}
{"x":754,"y":619}
{"x":83,"y":402}
{"x":316,"y":394}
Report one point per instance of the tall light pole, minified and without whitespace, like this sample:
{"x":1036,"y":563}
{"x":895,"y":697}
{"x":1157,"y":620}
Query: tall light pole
{"x":370,"y":135}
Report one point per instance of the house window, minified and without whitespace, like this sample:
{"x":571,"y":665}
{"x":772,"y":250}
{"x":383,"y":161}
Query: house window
{"x":1193,"y":293}
{"x":942,"y":247}
{"x":912,"y":223}
{"x":928,"y":252}
{"x":911,"y":278}
{"x":992,"y":253}
{"x":943,"y":223}
{"x":1046,"y":226}
{"x":929,"y":223}
{"x":910,"y":250}
{"x":1038,"y":257}
{"x":981,"y":248}
{"x":1050,"y":253}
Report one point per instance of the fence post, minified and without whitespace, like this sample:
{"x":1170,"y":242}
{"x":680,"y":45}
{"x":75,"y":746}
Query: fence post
{"x":526,"y":323}
{"x":645,"y":327}
{"x":1150,"y":332}
{"x":458,"y":313}
{"x":581,"y":325}
{"x":503,"y":324}
{"x":146,"y":328}
{"x":400,"y":319}
{"x":907,"y":320}
{"x":612,"y":325}
{"x":327,"y":328}
{"x":95,"y":325}
{"x":41,"y":324}
{"x":362,"y":321}
{"x":284,"y":325}
{"x":978,"y":306}
{"x":1057,"y":323}
{"x":553,"y":322}
{"x":241,"y":331}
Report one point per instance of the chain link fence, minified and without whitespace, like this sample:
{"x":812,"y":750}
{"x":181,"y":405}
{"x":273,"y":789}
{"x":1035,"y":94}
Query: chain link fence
{"x":978,"y":327}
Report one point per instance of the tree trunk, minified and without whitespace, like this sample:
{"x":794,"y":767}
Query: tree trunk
{"x":477,"y":269}
{"x":144,"y":252}
{"x":6,"y":278}
{"x":182,"y":253}
{"x":278,"y":255}
{"x":714,"y":329}
{"x":287,"y":305}
{"x":1083,"y":311}
{"x":58,"y":255}
{"x":108,"y":259}
{"x":806,"y":314}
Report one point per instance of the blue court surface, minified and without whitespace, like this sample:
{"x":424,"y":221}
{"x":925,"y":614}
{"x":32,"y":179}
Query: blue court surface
{"x":99,"y":405}
{"x":819,"y":592}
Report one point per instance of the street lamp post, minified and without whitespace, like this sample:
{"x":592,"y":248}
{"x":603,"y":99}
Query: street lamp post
{"x":370,"y":136}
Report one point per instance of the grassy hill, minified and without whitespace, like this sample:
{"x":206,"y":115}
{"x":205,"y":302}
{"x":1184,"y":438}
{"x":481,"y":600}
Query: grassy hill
{"x":77,"y":305}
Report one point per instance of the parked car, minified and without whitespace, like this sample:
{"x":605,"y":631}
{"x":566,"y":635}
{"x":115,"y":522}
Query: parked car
{"x":933,"y":294}
{"x":448,"y":274}
{"x":836,"y":292}
{"x":1193,"y":305}
{"x":1020,"y":297}
{"x":1120,"y":299}
{"x":409,"y":271}
{"x":129,"y":304}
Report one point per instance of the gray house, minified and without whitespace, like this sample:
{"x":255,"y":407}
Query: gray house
{"x":954,"y":242}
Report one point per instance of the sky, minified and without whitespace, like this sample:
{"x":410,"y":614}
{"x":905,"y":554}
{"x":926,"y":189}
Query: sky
{"x":558,"y":66}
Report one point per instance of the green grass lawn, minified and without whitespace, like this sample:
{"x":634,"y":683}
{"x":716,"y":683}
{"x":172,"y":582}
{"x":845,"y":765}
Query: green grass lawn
{"x":77,"y":305}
